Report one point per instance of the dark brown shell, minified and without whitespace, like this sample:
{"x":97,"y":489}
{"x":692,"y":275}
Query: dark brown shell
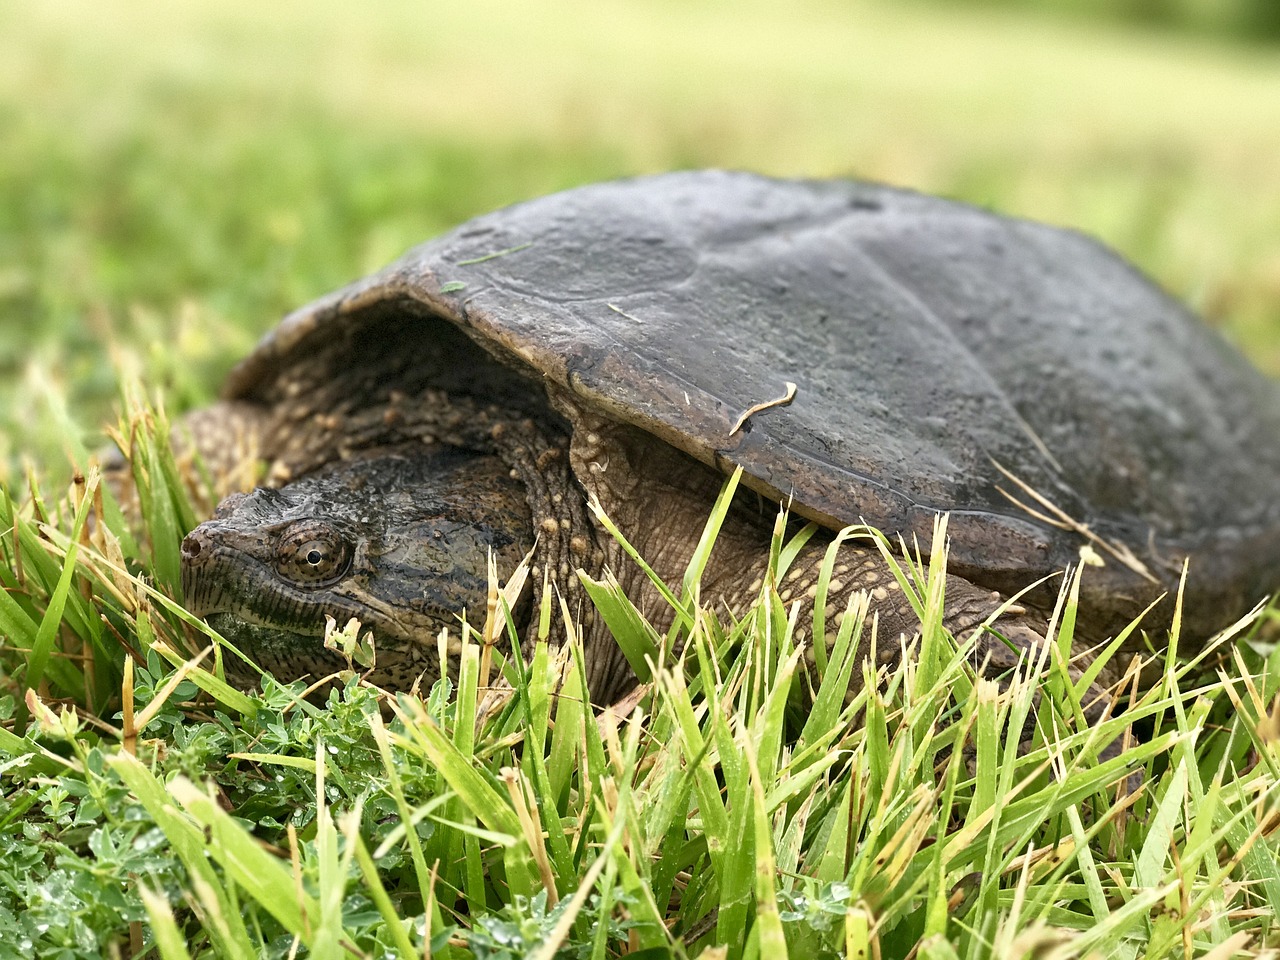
{"x":931,"y":344}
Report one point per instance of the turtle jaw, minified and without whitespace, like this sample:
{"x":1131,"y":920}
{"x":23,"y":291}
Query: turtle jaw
{"x":291,"y":655}
{"x":282,"y":652}
{"x":291,"y":644}
{"x":294,"y":654}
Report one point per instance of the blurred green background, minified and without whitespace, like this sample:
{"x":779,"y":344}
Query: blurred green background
{"x":176,"y":175}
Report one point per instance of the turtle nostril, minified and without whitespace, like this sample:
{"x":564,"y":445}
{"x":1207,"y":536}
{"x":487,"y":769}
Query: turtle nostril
{"x":191,"y":547}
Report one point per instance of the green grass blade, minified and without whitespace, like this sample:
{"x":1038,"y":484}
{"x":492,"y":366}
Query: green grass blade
{"x":50,"y":623}
{"x":226,"y":926}
{"x":164,"y":928}
{"x":482,"y":799}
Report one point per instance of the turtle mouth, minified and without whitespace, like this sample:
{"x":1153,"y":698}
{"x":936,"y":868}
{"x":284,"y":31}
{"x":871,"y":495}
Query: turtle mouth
{"x":235,"y":619}
{"x":268,"y":642}
{"x":252,"y":634}
{"x":299,"y":641}
{"x":280,"y":651}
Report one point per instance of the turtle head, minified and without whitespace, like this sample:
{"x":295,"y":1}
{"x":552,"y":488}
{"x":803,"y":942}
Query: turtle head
{"x":401,"y":543}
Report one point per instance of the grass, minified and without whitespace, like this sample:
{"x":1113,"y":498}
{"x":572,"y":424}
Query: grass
{"x":166,"y":201}
{"x":891,"y":816}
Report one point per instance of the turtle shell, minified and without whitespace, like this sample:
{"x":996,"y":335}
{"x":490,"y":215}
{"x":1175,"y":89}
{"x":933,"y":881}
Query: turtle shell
{"x":1019,"y":376}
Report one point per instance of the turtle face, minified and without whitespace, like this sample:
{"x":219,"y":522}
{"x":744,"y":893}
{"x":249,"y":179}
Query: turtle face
{"x":399,"y":542}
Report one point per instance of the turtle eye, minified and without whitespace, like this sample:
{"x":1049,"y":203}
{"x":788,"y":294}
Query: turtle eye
{"x":312,"y":553}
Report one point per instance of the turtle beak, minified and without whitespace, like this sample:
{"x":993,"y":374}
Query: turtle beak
{"x":216,"y":561}
{"x":197,"y":554}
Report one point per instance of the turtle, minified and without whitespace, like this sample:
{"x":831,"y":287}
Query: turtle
{"x":864,"y":354}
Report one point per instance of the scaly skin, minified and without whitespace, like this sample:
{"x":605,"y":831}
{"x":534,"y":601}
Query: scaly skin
{"x":399,"y":538}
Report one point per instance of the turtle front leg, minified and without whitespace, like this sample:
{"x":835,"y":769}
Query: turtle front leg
{"x":659,"y":498}
{"x":1006,"y":640}
{"x":227,"y":438}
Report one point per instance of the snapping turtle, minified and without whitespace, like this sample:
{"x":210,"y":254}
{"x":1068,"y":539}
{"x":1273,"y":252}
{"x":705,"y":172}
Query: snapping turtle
{"x":863,"y":353}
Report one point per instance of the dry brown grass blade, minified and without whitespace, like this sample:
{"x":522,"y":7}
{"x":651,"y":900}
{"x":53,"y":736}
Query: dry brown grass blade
{"x":1055,"y":516}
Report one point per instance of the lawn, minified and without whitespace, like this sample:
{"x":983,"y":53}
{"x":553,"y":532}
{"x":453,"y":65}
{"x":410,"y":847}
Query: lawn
{"x":175,"y":176}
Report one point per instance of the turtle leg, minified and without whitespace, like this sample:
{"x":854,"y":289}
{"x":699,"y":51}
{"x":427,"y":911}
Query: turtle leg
{"x":566,"y":540}
{"x":227,"y":441}
{"x":1005,"y":641}
{"x":659,"y":497}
